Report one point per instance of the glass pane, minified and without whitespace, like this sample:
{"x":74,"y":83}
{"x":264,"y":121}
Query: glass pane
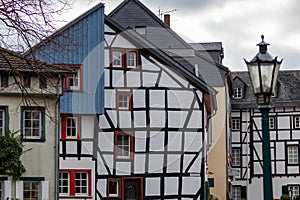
{"x":35,"y":132}
{"x":113,"y":187}
{"x":36,"y":115}
{"x":266,"y":76}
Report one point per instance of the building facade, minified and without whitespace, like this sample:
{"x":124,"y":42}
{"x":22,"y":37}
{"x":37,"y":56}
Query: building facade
{"x":247,"y":138}
{"x":152,"y":136}
{"x":78,"y":46}
{"x":29,"y":94}
{"x":202,"y":59}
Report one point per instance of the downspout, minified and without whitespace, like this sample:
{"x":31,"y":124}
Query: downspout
{"x":228,"y":138}
{"x":57,"y":131}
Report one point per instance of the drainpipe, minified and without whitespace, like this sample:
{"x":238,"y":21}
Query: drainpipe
{"x":57,"y":131}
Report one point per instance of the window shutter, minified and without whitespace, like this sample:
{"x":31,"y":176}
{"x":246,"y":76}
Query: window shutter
{"x":19,"y":189}
{"x":244,"y":192}
{"x":45,"y":190}
{"x":63,"y":127}
{"x":7,"y":189}
{"x":285,"y":189}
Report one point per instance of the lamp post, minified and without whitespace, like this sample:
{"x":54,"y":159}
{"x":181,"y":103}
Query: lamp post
{"x":263,"y":71}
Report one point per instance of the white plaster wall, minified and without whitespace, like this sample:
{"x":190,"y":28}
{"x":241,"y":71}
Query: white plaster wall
{"x":35,"y":153}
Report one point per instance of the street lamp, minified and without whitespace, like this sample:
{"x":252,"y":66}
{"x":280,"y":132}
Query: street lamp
{"x":263,"y":71}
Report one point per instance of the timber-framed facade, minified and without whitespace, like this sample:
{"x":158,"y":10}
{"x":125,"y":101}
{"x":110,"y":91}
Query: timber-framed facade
{"x":284,"y":137}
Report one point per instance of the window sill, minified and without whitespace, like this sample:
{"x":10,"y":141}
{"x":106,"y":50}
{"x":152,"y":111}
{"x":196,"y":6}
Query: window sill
{"x":75,"y":197}
{"x":33,"y":140}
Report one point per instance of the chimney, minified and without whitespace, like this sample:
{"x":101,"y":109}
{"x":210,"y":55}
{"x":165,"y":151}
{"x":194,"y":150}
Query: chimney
{"x":167,"y":19}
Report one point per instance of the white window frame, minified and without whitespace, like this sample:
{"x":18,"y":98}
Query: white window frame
{"x":69,"y":127}
{"x":296,"y":121}
{"x":75,"y":78}
{"x":236,"y":193}
{"x":236,"y":124}
{"x":236,"y":157}
{"x":117,"y":60}
{"x":271,"y":123}
{"x":124,"y":97}
{"x":32,"y":120}
{"x":80,"y":180}
{"x":131,"y":59}
{"x":2,"y":119}
{"x":123,"y":147}
{"x":117,"y":188}
{"x":61,"y":184}
{"x":294,"y":188}
{"x":293,"y":154}
{"x":38,"y":189}
{"x":238,"y":93}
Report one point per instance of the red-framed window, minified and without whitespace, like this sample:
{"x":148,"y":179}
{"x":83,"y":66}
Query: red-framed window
{"x":70,"y":127}
{"x":114,"y":187}
{"x":131,"y":59}
{"x":124,"y":59}
{"x":75,"y":182}
{"x":74,"y":81}
{"x":124,"y":100}
{"x":123,"y":145}
{"x":117,"y":58}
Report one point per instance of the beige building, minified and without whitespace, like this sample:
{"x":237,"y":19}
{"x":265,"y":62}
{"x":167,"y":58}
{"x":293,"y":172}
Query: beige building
{"x":219,"y":150}
{"x":29,"y":104}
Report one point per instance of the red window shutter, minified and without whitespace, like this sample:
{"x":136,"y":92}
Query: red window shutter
{"x":78,"y":127}
{"x":72,"y":183}
{"x":63,"y":128}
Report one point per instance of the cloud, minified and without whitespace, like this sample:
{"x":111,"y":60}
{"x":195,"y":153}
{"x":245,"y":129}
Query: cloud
{"x":238,"y":24}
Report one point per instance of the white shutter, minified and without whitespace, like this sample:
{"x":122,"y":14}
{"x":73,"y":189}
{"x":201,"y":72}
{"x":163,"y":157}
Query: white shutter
{"x":7,"y":189}
{"x":45,"y":190}
{"x":19,"y":189}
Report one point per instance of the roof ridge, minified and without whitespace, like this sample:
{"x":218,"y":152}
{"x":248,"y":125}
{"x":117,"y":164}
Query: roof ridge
{"x":155,"y":17}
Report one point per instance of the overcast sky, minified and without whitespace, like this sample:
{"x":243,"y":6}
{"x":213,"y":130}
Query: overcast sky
{"x":238,"y":24}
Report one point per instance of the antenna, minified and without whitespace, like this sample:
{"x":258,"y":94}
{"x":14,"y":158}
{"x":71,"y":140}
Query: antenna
{"x":161,"y":13}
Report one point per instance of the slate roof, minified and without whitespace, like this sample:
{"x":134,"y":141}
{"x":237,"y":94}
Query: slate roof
{"x":12,"y":61}
{"x":287,"y":92}
{"x":132,"y":13}
{"x":212,"y":49}
{"x":207,"y":46}
{"x":146,"y":46}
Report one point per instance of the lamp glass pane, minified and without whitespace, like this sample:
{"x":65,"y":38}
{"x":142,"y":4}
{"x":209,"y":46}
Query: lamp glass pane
{"x":276,"y":71}
{"x":266,"y":76}
{"x":254,"y":76}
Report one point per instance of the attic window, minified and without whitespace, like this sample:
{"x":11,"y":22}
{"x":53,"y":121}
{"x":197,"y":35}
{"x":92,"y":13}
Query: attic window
{"x":141,"y":30}
{"x":238,"y":93}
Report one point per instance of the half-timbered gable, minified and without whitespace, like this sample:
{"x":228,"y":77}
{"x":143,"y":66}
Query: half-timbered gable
{"x":284,"y":137}
{"x":204,"y":60}
{"x":151,"y":143}
{"x":78,"y":46}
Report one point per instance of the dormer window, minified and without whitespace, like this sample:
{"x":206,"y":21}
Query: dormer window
{"x":141,"y":30}
{"x":238,"y":93}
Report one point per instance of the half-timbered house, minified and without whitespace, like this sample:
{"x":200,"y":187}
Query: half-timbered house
{"x":151,"y":141}
{"x":152,"y":138}
{"x":203,"y":59}
{"x":284,"y":137}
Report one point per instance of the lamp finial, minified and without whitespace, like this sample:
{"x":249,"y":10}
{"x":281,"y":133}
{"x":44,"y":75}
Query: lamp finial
{"x":263,"y":45}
